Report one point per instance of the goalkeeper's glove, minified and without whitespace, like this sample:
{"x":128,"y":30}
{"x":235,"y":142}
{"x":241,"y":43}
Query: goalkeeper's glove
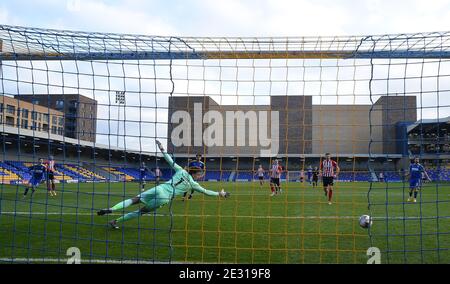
{"x":160,"y":146}
{"x":223,"y":193}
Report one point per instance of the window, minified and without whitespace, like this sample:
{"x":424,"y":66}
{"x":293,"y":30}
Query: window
{"x":1,"y":107}
{"x":34,"y":115}
{"x":45,"y":127}
{"x":1,"y":119}
{"x":45,"y":117}
{"x":39,"y":116}
{"x":10,"y":109}
{"x":53,"y":129}
{"x":24,"y":113}
{"x":24,"y":123}
{"x":54,"y":120}
{"x":61,"y":121}
{"x":59,"y":104}
{"x":9,"y":121}
{"x":34,"y":127}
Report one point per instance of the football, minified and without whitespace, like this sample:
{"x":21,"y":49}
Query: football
{"x":365,"y":221}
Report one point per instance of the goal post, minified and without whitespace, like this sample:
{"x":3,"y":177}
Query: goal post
{"x":252,"y":116}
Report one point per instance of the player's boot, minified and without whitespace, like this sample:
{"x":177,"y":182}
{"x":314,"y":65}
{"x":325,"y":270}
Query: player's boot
{"x":414,"y":200}
{"x":103,"y":212}
{"x":329,"y":202}
{"x":272,"y":194}
{"x":113,"y":224}
{"x":409,"y":199}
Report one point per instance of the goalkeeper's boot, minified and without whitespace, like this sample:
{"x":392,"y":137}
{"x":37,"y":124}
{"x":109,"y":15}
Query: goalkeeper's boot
{"x":104,"y":212}
{"x":113,"y":224}
{"x":409,"y":199}
{"x":414,"y":200}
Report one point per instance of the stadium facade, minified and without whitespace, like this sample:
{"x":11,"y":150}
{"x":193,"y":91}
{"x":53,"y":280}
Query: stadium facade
{"x":304,"y":128}
{"x":80,"y":112}
{"x":28,"y":116}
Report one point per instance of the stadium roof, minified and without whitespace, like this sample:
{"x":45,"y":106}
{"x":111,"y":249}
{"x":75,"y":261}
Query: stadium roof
{"x":428,"y":121}
{"x":38,"y":135}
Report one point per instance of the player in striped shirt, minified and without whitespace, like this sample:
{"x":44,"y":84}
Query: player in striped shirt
{"x":50,"y":165}
{"x":329,"y":170}
{"x":275,"y":175}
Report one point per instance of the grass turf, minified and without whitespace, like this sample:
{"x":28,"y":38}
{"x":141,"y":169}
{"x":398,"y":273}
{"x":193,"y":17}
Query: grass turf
{"x":297,"y":226}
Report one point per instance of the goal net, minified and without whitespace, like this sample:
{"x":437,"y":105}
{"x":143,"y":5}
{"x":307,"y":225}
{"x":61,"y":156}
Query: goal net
{"x":83,"y":180}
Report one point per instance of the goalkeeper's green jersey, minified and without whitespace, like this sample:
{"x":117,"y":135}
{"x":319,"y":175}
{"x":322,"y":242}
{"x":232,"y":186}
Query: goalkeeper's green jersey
{"x":180,"y":183}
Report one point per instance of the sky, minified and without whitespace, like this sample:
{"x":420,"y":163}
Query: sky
{"x":245,"y":18}
{"x":232,"y":17}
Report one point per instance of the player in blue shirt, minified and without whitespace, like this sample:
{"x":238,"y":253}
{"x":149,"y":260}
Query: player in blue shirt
{"x":309,"y":173}
{"x":37,"y":176}
{"x":197,"y":165}
{"x":415,"y":179}
{"x":143,"y":171}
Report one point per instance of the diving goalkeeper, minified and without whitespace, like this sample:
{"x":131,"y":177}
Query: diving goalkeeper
{"x":181,"y":182}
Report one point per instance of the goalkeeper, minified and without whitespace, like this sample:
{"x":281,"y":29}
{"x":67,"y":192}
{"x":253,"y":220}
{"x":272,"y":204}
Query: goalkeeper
{"x":181,"y":182}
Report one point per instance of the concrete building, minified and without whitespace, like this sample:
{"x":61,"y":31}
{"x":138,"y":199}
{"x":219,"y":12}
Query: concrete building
{"x":303,"y":128}
{"x":25,"y":115}
{"x":80,"y":112}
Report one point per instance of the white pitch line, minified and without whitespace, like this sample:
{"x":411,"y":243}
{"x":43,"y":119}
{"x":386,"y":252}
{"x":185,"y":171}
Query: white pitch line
{"x":227,"y":216}
{"x":62,"y":260}
{"x":181,"y":215}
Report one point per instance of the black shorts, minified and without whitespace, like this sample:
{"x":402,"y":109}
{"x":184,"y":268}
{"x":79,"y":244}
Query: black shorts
{"x":261,"y":178}
{"x":50,"y":176}
{"x":327,"y":181}
{"x":275,"y":181}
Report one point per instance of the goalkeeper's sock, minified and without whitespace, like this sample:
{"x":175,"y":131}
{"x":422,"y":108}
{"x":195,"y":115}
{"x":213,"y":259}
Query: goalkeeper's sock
{"x":128,"y":216}
{"x":415,"y":194}
{"x":121,"y":205}
{"x":410,"y":193}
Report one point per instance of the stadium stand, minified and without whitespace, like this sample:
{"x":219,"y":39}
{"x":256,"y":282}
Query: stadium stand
{"x":120,"y":172}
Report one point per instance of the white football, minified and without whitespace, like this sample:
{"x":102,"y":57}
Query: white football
{"x":365,"y":221}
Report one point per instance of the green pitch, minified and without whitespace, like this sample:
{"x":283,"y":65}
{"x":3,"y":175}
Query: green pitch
{"x":297,"y":226}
